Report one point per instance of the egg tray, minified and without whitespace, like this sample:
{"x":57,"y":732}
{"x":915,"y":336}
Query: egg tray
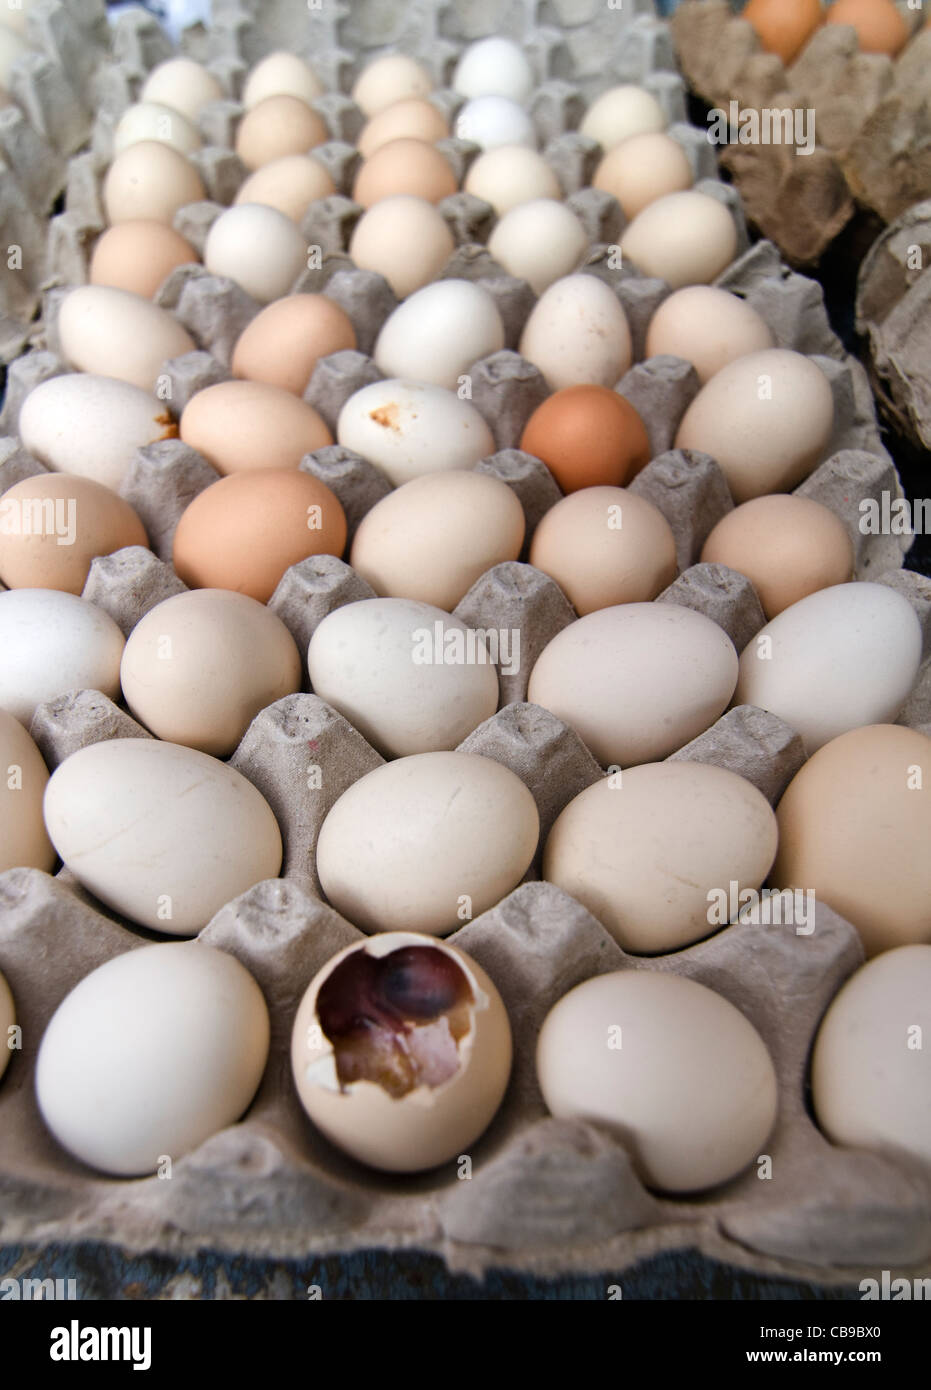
{"x":871,"y":122}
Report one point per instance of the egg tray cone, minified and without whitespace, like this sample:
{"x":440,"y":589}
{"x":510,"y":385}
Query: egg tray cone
{"x":545,"y":1195}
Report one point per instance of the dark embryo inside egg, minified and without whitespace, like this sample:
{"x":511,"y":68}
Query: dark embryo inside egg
{"x":397,"y":1019}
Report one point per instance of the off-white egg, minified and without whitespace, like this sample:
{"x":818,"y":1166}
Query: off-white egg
{"x":683,"y":1077}
{"x":433,"y":537}
{"x":621,"y":112}
{"x":200,"y":666}
{"x":539,"y":242}
{"x":53,"y":643}
{"x":288,"y":185}
{"x":494,"y":67}
{"x":116,"y":333}
{"x":163,"y":834}
{"x":393,"y":77}
{"x":148,"y":120}
{"x":278,"y":126}
{"x":401,"y":1051}
{"x":490,"y":121}
{"x":685,"y":238}
{"x":578,"y":334}
{"x":258,"y":247}
{"x":151,"y":1054}
{"x":405,"y":239}
{"x":410,"y":677}
{"x":182,"y":84}
{"x":23,"y":838}
{"x":243,"y":425}
{"x":408,"y":428}
{"x":638,"y":681}
{"x":7,"y":1020}
{"x":149,"y":181}
{"x":641,"y":169}
{"x":437,"y":333}
{"x":708,"y":327}
{"x":427,"y":842}
{"x":510,"y":175}
{"x":281,"y":74}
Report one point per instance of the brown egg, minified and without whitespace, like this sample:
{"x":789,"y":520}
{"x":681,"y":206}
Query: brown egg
{"x":276,"y":127}
{"x":242,"y":426}
{"x":289,"y":185}
{"x":784,"y":26}
{"x":53,"y":525}
{"x":588,"y":436}
{"x":404,"y":166}
{"x":880,"y":28}
{"x":243,"y":532}
{"x":282,"y":344}
{"x":415,"y":119}
{"x":138,"y":256}
{"x":787,"y":546}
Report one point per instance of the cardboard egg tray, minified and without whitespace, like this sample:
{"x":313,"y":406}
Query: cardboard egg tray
{"x":544,"y":1195}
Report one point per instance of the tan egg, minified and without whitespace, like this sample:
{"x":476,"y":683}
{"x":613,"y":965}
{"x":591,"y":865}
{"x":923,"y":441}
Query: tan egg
{"x":787,"y":547}
{"x":854,"y":829}
{"x":433,"y":537}
{"x":149,"y":120}
{"x":198,"y":668}
{"x":7,"y":1020}
{"x":685,"y":238}
{"x":283,"y":344}
{"x":509,"y":175}
{"x":288,"y":185}
{"x":244,"y":531}
{"x":879,"y":26}
{"x":52,"y":526}
{"x":183,"y":84}
{"x":604,"y":545}
{"x":401,"y":1051}
{"x":112,"y":333}
{"x":276,"y":127}
{"x":150,"y":181}
{"x":708,"y":327}
{"x":414,"y":119}
{"x":24,"y":841}
{"x":281,"y":74}
{"x":621,"y":112}
{"x":139,"y":256}
{"x":393,"y":77}
{"x":405,"y":239}
{"x":641,"y":169}
{"x":240,"y":426}
{"x":404,"y":166}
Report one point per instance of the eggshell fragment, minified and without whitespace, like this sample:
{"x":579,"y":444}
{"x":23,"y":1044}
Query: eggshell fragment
{"x":7,"y":1020}
{"x":108,"y":1066}
{"x":278,"y":126}
{"x":114,"y":333}
{"x":641,"y":169}
{"x":281,"y":74}
{"x":510,"y":175}
{"x":406,"y":166}
{"x":419,"y":842}
{"x":587,"y":436}
{"x":54,"y":643}
{"x":708,"y":327}
{"x":258,"y":247}
{"x":405,"y":239}
{"x":138,"y":256}
{"x":244,"y":425}
{"x":24,"y":842}
{"x":163,"y":834}
{"x":577,"y":334}
{"x":150,"y":180}
{"x":437,"y":334}
{"x":621,"y":112}
{"x":414,"y":119}
{"x":684,"y":238}
{"x":390,"y":78}
{"x":183,"y":84}
{"x":539,"y":241}
{"x":289,"y":185}
{"x":283,"y":344}
{"x":409,"y":428}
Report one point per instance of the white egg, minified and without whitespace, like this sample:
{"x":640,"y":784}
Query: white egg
{"x":685,"y":238}
{"x":439,"y":332}
{"x":23,"y":838}
{"x":281,"y":74}
{"x":111,"y":332}
{"x":258,"y":247}
{"x":539,"y":241}
{"x":510,"y":175}
{"x":490,"y":121}
{"x":578,"y":334}
{"x":409,"y":428}
{"x":148,"y":120}
{"x":621,"y":112}
{"x":53,"y":643}
{"x":494,"y":67}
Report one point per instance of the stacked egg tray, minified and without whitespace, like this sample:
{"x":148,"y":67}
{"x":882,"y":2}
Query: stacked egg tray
{"x":544,"y":1195}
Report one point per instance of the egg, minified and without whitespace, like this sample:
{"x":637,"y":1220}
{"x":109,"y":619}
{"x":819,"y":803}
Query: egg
{"x":282,"y":345}
{"x":289,"y":185}
{"x":869,"y":1068}
{"x":90,"y":426}
{"x":621,"y":112}
{"x":163,"y":834}
{"x":439,"y":332}
{"x":244,"y":531}
{"x":539,"y":241}
{"x":7,"y":1021}
{"x":767,"y":419}
{"x":684,"y":238}
{"x":681,"y":1076}
{"x":494,"y":67}
{"x":390,"y":78}
{"x":784,"y":27}
{"x":854,"y":828}
{"x":841,"y":657}
{"x":401,"y":1051}
{"x":641,"y":169}
{"x":433,"y":537}
{"x":278,"y":126}
{"x":427,"y":842}
{"x":414,"y":119}
{"x":182,"y":84}
{"x":879,"y":26}
{"x":24,"y":842}
{"x":409,"y":428}
{"x":54,"y":643}
{"x":604,"y":546}
{"x":198,"y":668}
{"x":490,"y":121}
{"x":410,"y":677}
{"x":258,"y":247}
{"x":577,"y":334}
{"x":110,"y":332}
{"x":588,"y":437}
{"x":510,"y":175}
{"x":405,"y":239}
{"x":406,"y":166}
{"x":281,"y":74}
{"x":646,"y":851}
{"x":139,"y":256}
{"x":637,"y":681}
{"x":150,"y":181}
{"x":708,"y":327}
{"x":149,"y":120}
{"x":110,"y":1058}
{"x":52,"y":526}
{"x":787,"y":546}
{"x":244,"y":425}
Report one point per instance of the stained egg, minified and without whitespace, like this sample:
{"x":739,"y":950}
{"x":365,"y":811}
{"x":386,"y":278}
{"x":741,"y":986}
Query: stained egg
{"x":239,"y":426}
{"x":409,"y":428}
{"x":282,"y":345}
